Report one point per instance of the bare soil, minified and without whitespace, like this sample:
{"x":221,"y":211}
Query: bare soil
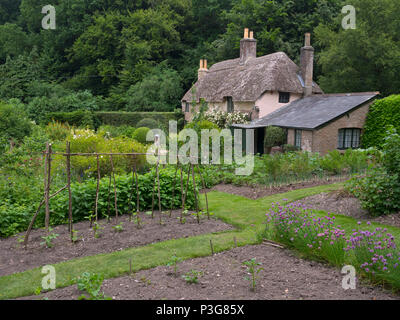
{"x":257,"y":192}
{"x":343,"y":203}
{"x":14,"y":258}
{"x":284,"y":277}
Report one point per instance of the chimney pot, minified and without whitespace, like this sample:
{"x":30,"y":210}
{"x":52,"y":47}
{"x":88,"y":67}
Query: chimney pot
{"x":246,"y":33}
{"x":251,"y":34}
{"x":307,"y":39}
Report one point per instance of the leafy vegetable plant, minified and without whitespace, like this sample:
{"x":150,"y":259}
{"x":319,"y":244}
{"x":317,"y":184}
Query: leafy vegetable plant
{"x":253,"y":270}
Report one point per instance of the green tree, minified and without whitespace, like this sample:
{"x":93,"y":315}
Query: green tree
{"x":160,"y":90}
{"x":366,"y":58}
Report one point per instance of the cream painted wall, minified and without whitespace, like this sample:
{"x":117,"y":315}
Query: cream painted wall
{"x":269,"y":102}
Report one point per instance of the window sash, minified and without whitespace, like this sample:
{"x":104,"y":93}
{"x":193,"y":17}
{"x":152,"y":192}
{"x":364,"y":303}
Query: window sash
{"x":349,"y":138}
{"x":230,"y":104}
{"x":284,"y":97}
{"x":187,"y":107}
{"x":297,"y":138}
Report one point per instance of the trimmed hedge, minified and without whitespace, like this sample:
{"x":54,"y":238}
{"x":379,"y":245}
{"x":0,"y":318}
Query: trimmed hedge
{"x":77,"y":119}
{"x":383,"y":114}
{"x":96,"y":119}
{"x":133,"y":118}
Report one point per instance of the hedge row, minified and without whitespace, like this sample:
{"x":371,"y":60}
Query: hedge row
{"x":97,"y":119}
{"x":383,"y":114}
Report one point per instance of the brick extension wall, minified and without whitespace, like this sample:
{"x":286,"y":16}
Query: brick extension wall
{"x":325,"y":139}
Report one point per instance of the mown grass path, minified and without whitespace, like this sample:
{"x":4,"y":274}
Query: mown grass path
{"x":248,"y":216}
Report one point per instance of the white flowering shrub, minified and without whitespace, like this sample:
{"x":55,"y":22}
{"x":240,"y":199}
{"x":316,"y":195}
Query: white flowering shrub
{"x":224,"y":119}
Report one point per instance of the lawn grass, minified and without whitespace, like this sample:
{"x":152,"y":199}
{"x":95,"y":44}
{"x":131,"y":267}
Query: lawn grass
{"x":248,"y":216}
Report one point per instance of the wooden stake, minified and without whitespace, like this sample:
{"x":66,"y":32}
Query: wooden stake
{"x":173,"y":189}
{"x":36,"y":214}
{"x":212,"y":248}
{"x":47,"y":194}
{"x":68,"y":149}
{"x":205,"y":193}
{"x":97,"y":189}
{"x":195,"y":194}
{"x":115,"y":189}
{"x":158,"y":183}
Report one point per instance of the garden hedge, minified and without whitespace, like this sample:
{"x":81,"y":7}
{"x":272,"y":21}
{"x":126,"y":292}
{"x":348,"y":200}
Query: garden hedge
{"x":117,"y":119}
{"x":383,"y":114}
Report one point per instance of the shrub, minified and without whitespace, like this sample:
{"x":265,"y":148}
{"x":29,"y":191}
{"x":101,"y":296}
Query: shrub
{"x":81,"y":118}
{"x":115,"y":132}
{"x":84,"y":194}
{"x":148,"y":123}
{"x":58,"y":131}
{"x":141,"y":134}
{"x":14,"y":124}
{"x":132,"y":118}
{"x":383,"y":114}
{"x":290,"y":148}
{"x":274,"y":137}
{"x":39,"y":107}
{"x":224,"y":119}
{"x":379,"y":191}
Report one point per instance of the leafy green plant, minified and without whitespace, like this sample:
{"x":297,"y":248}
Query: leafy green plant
{"x":91,"y":284}
{"x":192,"y":276}
{"x":96,"y":230}
{"x":38,"y":291}
{"x":119,"y":227}
{"x":174,"y":263}
{"x":48,"y":240}
{"x":253,"y":269}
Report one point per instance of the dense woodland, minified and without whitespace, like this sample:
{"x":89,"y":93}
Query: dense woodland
{"x":141,"y":55}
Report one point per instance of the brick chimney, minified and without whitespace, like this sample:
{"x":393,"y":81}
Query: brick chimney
{"x":203,"y":69}
{"x":307,"y":65}
{"x":248,"y":47}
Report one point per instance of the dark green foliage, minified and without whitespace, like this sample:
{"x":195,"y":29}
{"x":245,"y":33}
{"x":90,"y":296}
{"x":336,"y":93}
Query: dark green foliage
{"x":363,"y":59}
{"x":274,"y":137}
{"x":160,"y":90}
{"x":148,"y":123}
{"x":140,"y":135}
{"x":14,"y":124}
{"x":20,"y":199}
{"x":79,"y":118}
{"x":84,"y":194}
{"x":379,"y":190}
{"x":39,"y":107}
{"x":383,"y":114}
{"x":133,"y":118}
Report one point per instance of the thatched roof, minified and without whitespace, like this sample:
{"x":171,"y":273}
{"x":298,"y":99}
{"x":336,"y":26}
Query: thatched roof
{"x":273,"y":72}
{"x":312,"y":112}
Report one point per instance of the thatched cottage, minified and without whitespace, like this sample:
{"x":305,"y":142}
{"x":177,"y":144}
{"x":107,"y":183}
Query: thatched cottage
{"x":274,"y":91}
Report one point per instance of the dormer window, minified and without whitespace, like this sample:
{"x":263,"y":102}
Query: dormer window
{"x":231,"y":107}
{"x":284,"y":97}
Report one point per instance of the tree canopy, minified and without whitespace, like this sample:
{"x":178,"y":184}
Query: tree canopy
{"x":143,"y":54}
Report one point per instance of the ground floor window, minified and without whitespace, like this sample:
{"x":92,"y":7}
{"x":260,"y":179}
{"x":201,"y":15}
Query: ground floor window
{"x":231,"y":107}
{"x":349,"y":138}
{"x":297,"y":138}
